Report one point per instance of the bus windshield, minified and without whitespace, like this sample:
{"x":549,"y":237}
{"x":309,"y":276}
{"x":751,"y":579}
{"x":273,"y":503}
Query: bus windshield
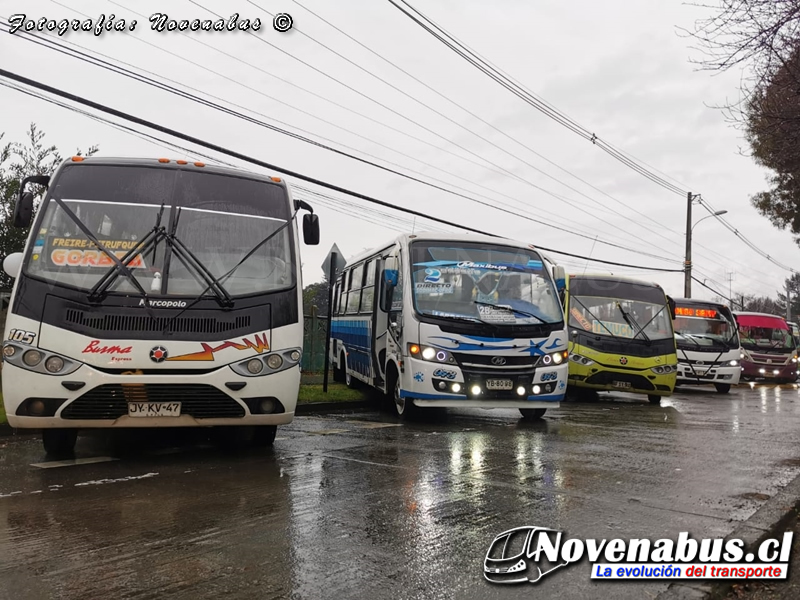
{"x":704,"y":326}
{"x":499,"y":284}
{"x":765,"y":333}
{"x":218,"y":218}
{"x":619,"y":309}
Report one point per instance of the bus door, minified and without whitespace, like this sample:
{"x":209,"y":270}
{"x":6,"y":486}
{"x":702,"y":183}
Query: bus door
{"x":388,"y":315}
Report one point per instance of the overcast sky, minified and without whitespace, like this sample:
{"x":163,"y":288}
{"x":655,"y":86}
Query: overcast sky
{"x":617,"y":67}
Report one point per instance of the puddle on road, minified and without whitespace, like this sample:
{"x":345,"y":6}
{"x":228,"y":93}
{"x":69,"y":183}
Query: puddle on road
{"x":790,"y":462}
{"x":754,"y":496}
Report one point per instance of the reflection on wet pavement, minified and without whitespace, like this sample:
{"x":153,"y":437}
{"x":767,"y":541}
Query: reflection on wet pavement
{"x":357,"y":505}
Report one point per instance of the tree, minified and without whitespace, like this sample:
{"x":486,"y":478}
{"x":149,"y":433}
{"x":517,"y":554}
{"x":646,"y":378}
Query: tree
{"x":18,"y":161}
{"x":763,"y":304}
{"x":764,"y":37}
{"x":793,"y":283}
{"x":316,"y":294}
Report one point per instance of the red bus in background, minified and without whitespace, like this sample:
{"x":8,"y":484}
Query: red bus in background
{"x":768,"y":348}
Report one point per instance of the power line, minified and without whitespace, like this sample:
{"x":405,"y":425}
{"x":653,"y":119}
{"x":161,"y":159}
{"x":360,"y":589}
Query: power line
{"x":150,"y":81}
{"x":122,"y":115}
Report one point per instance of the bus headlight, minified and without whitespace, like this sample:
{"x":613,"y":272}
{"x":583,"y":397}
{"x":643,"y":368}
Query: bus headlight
{"x":555,"y":358}
{"x":32,"y":358}
{"x":275,"y":361}
{"x":54,"y":364}
{"x":664,"y":369}
{"x":734,"y":363}
{"x":431,"y":354}
{"x":39,"y":361}
{"x":255,"y":366}
{"x":581,"y":360}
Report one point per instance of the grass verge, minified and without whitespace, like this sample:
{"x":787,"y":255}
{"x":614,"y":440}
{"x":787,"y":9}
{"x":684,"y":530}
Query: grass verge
{"x":337,"y":392}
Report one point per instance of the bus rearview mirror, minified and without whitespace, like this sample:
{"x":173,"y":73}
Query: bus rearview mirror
{"x":672,"y":305}
{"x":311,"y":229}
{"x":560,"y":277}
{"x":23,"y":210}
{"x":12,"y":264}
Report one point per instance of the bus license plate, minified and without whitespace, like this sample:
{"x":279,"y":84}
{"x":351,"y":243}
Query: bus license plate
{"x":154,"y":409}
{"x":621,"y":384}
{"x":499,"y":384}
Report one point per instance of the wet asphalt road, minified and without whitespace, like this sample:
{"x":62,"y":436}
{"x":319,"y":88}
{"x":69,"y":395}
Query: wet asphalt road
{"x":358,"y":506}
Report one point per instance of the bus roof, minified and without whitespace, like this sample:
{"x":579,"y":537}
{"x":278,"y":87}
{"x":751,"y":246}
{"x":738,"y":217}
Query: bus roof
{"x":444,"y":237}
{"x":614,"y":278}
{"x":740,"y":313}
{"x":171,"y":164}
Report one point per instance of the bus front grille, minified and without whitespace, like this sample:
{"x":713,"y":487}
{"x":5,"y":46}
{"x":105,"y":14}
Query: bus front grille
{"x":110,"y":401}
{"x":139,"y":322}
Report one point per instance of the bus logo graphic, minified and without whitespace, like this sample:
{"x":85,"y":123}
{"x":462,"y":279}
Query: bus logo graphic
{"x":158,"y":354}
{"x":207,"y":353}
{"x":498,"y":361}
{"x":623,"y":360}
{"x":514,"y":557}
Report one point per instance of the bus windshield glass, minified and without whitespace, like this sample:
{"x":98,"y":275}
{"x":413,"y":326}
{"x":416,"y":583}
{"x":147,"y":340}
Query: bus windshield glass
{"x":218,"y":218}
{"x":619,"y":309}
{"x":700,"y":326}
{"x":765,"y":333}
{"x":499,"y":284}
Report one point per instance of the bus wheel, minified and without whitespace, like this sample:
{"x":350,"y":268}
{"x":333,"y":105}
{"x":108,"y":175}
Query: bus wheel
{"x":654,"y":399}
{"x":264,"y":435}
{"x":59,"y":442}
{"x":532,"y":414}
{"x":404,"y":406}
{"x":723,"y":388}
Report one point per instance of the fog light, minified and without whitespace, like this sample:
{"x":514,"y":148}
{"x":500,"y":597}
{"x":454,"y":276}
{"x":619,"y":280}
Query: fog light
{"x":54,"y":364}
{"x":775,"y":372}
{"x":267,"y":405}
{"x":32,"y":358}
{"x":476,"y":390}
{"x":255,"y":366}
{"x":521,"y":391}
{"x":536,"y":389}
{"x":9,"y":351}
{"x":456,"y":387}
{"x":762,"y":371}
{"x":275,"y":361}
{"x":442,"y":385}
{"x":428,"y":353}
{"x":295,"y":355}
{"x":36,"y":407}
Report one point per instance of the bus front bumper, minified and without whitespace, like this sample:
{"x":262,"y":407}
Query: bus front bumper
{"x":708,"y":375}
{"x":39,"y":401}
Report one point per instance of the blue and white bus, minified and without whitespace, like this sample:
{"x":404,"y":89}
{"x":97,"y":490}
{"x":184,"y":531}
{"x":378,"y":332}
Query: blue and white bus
{"x":155,"y":293}
{"x":437,"y":320}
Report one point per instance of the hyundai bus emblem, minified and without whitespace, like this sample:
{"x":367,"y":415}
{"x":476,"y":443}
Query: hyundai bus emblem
{"x":498,"y":360}
{"x":700,"y":362}
{"x":623,"y":360}
{"x":158,"y":354}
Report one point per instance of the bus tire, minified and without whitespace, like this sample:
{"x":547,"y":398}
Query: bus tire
{"x":404,"y":407}
{"x":338,"y":370}
{"x":532,"y":414}
{"x":59,"y":442}
{"x":723,"y":388}
{"x":654,"y":399}
{"x":264,"y":435}
{"x":349,"y":380}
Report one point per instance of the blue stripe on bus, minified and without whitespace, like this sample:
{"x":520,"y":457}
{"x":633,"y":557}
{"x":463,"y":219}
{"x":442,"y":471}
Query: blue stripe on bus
{"x":356,"y":336}
{"x":420,"y":396}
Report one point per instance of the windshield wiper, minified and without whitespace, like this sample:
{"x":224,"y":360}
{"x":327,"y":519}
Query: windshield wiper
{"x":594,"y":316}
{"x":633,"y":323}
{"x":510,"y":309}
{"x":92,"y":238}
{"x":190,"y":259}
{"x":690,"y":337}
{"x":219,"y":280}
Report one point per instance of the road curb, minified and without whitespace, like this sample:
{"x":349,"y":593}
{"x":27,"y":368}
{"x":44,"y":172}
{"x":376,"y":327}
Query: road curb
{"x":767,"y":522}
{"x":325,"y":407}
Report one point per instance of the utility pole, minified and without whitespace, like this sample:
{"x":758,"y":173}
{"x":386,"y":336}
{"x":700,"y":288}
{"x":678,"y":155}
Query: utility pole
{"x":730,"y":284}
{"x":687,"y":265}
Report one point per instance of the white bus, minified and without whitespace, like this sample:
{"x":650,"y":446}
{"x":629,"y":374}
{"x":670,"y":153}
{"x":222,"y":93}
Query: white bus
{"x":709,"y":352}
{"x":437,"y":320}
{"x":155,"y":293}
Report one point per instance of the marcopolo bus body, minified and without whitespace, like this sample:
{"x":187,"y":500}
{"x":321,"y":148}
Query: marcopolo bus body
{"x":708,"y":344}
{"x":768,"y":348}
{"x":154,"y":293}
{"x":452,"y":321}
{"x":621,"y":336}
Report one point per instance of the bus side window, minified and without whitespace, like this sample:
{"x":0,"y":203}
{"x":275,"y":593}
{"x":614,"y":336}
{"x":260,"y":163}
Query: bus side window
{"x":397,"y":295}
